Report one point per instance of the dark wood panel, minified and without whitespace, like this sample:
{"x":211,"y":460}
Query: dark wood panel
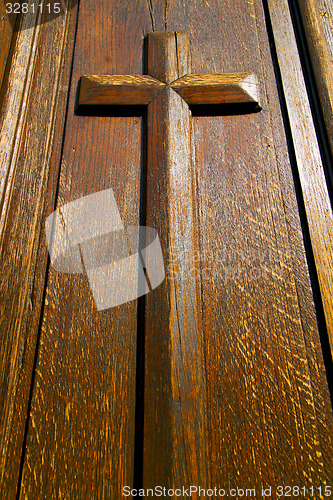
{"x":80,"y":441}
{"x":33,"y":118}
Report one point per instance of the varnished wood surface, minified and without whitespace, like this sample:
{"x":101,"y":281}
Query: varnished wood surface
{"x":312,"y":177}
{"x":257,"y":410}
{"x":118,"y":89}
{"x":218,"y":89}
{"x":317,"y":16}
{"x":80,"y":441}
{"x":6,"y":36}
{"x":174,"y":370}
{"x":253,"y":271}
{"x":31,"y":132}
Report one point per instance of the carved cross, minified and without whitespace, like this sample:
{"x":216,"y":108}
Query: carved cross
{"x":172,"y":327}
{"x":168,"y":68}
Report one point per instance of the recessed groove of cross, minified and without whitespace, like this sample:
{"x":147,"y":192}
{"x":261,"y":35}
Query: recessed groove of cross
{"x":169,"y":65}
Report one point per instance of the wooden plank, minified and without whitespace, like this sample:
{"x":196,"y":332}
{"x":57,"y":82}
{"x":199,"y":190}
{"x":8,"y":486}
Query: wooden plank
{"x":6,"y":35}
{"x":174,"y":438}
{"x":218,"y":89}
{"x":261,"y":387}
{"x":118,"y":90}
{"x":312,"y":177}
{"x":317,"y":18}
{"x":35,"y":101}
{"x":312,"y":341}
{"x":80,"y":440}
{"x":15,"y":97}
{"x":266,"y":392}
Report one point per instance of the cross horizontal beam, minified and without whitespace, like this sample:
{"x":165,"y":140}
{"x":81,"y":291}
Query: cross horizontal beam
{"x":226,"y":88}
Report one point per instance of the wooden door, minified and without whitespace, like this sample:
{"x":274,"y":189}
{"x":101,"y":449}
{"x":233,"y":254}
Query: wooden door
{"x":216,"y":379}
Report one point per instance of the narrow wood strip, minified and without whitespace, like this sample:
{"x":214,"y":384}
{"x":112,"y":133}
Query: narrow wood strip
{"x":174,"y":435}
{"x":23,"y":270}
{"x":14,"y":107}
{"x":311,"y":172}
{"x":317,"y":18}
{"x":218,"y":89}
{"x":118,"y":90}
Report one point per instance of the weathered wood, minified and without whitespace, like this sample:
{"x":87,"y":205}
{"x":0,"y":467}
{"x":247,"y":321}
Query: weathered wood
{"x":118,"y":89}
{"x":266,"y":391}
{"x":312,"y":177}
{"x":258,"y":403}
{"x":6,"y":37}
{"x":32,"y":118}
{"x":317,"y":18}
{"x":15,"y":95}
{"x":174,"y":371}
{"x":218,"y":89}
{"x":80,"y":440}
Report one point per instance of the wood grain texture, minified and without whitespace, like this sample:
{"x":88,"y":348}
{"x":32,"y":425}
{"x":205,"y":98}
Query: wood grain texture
{"x":168,"y":55}
{"x":235,"y":394}
{"x":173,"y":312}
{"x":80,"y":441}
{"x":317,"y":18}
{"x":311,"y":172}
{"x":267,"y":396}
{"x":175,"y":449}
{"x":218,"y":89}
{"x":15,"y":96}
{"x":35,"y":101}
{"x":6,"y":37}
{"x":118,"y":90}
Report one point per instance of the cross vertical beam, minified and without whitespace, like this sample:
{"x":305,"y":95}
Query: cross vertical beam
{"x":174,"y":378}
